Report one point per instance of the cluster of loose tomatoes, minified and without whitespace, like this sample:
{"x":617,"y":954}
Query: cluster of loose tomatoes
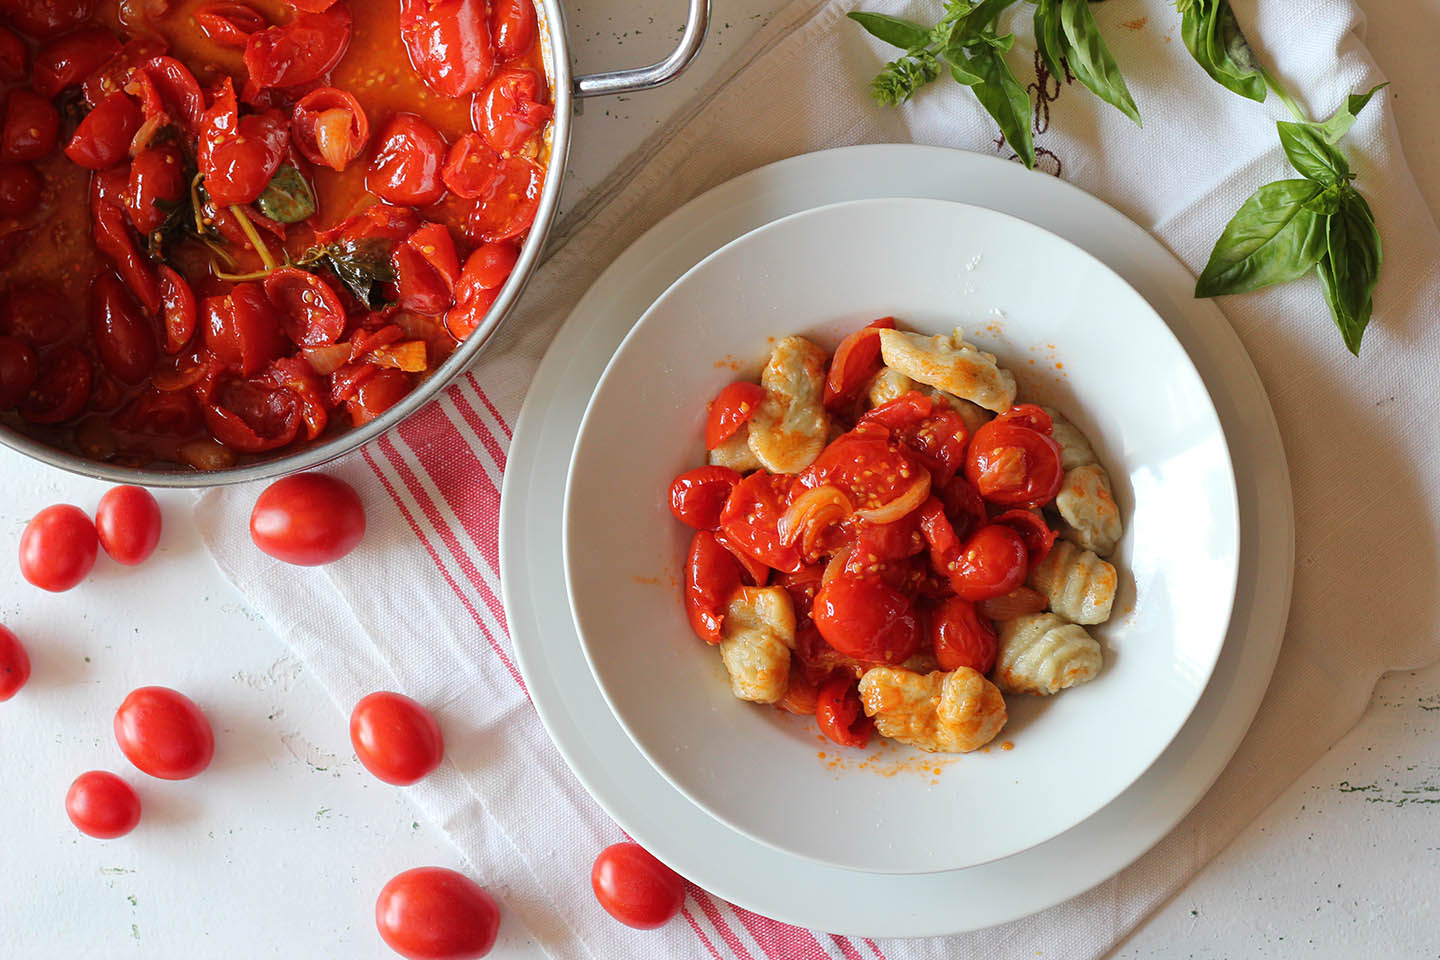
{"x":255,"y":268}
{"x":905,"y":538}
{"x":305,"y":519}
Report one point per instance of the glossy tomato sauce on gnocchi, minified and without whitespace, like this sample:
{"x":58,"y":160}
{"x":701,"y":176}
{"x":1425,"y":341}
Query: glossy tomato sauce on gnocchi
{"x":886,"y":540}
{"x":229,"y":229}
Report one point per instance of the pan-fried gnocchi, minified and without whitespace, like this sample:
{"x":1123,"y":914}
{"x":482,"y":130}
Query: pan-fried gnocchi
{"x":860,"y":557}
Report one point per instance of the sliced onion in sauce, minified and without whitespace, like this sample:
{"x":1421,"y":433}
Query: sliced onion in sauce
{"x":811,"y":512}
{"x":901,"y":506}
{"x":836,"y":566}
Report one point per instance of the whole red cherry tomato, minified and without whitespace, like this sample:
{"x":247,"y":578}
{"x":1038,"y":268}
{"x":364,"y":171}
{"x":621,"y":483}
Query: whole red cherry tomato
{"x":395,"y":738}
{"x":990,"y":564}
{"x":509,"y":209}
{"x":20,"y":188}
{"x":711,"y":578}
{"x":239,"y":155}
{"x":378,"y":393}
{"x":449,"y":44}
{"x":329,"y":127}
{"x":103,"y":138}
{"x":128,"y":522}
{"x":169,"y":95}
{"x":310,"y":311}
{"x":431,"y":913}
{"x":961,"y":637}
{"x":731,"y":409}
{"x":58,"y":548}
{"x":512,"y":24}
{"x":14,"y":664}
{"x":157,"y":184}
{"x":243,"y":329}
{"x":46,"y":18}
{"x":426,"y":270}
{"x":485,"y":273}
{"x":18,"y":369}
{"x":697,"y":496}
{"x":115,"y":74}
{"x":124,"y":338}
{"x":406,"y":167}
{"x":101,"y":805}
{"x":866,"y":618}
{"x":511,"y":108}
{"x":1013,"y":463}
{"x":635,"y":888}
{"x":66,"y":61}
{"x":751,"y":519}
{"x":1033,"y":529}
{"x":31,"y":128}
{"x":308,"y":519}
{"x":839,"y":713}
{"x":472,"y":168}
{"x":164,"y":734}
{"x":856,"y":360}
{"x":61,"y":387}
{"x":179,"y":309}
{"x":229,"y":24}
{"x":14,"y":56}
{"x":298,"y":52}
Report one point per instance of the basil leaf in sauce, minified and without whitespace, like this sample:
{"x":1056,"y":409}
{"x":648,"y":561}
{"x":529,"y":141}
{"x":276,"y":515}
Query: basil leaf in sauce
{"x":363,"y":266}
{"x":288,"y":198}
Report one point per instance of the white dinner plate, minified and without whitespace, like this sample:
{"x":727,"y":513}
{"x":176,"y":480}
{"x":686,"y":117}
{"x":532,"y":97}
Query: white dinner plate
{"x":1121,"y":376}
{"x":752,"y":874}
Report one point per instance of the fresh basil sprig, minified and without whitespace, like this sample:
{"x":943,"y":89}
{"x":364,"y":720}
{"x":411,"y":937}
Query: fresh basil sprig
{"x":1064,"y":29}
{"x":1217,"y":43}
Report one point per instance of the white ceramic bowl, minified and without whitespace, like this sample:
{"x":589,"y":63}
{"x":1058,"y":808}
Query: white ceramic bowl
{"x":1077,"y":336}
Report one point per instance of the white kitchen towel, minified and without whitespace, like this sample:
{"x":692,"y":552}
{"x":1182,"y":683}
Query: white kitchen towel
{"x":1360,"y":436}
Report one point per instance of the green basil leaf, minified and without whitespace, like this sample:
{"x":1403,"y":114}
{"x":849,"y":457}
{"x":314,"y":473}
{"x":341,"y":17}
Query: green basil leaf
{"x":1327,"y":201}
{"x":1310,"y":154}
{"x":1088,"y":56}
{"x":288,"y":197}
{"x":1003,"y":97}
{"x":963,"y":76}
{"x":362,"y":265}
{"x":1343,"y":119}
{"x":1049,"y":38}
{"x":1351,"y":267}
{"x":1215,"y":40}
{"x":1271,"y":239}
{"x":905,"y":34}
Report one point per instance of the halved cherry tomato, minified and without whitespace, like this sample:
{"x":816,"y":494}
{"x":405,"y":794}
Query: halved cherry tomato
{"x":308,"y":519}
{"x":472,"y":168}
{"x":169,"y":94}
{"x":14,"y":57}
{"x":752,"y":515}
{"x":431,"y":913}
{"x":36,"y":314}
{"x":346,"y":381}
{"x":242,"y":328}
{"x":157,"y":183}
{"x":449,"y":44}
{"x":838,"y":711}
{"x":58,"y":548}
{"x":867,"y":466}
{"x":310,"y":311}
{"x":635,"y":888}
{"x":381,"y":221}
{"x":511,"y":108}
{"x":856,"y":360}
{"x":46,"y":18}
{"x":103,"y":138}
{"x":865,"y":618}
{"x":239,"y":155}
{"x":511,"y":206}
{"x":229,"y":24}
{"x":512,"y":24}
{"x":405,"y":169}
{"x":961,"y":637}
{"x":179,"y":309}
{"x":930,"y":430}
{"x":124,"y":338}
{"x":1014,"y":464}
{"x":377,"y":393}
{"x":329,"y":127}
{"x":112,"y":237}
{"x":753,"y":572}
{"x":163,"y":733}
{"x":395,"y":738}
{"x":253,"y":417}
{"x":697,"y":496}
{"x":172,"y":414}
{"x":128,"y":522}
{"x":14,"y":664}
{"x":31,"y":127}
{"x":485,"y":273}
{"x":711,"y":578}
{"x":299,"y":52}
{"x":61,"y":388}
{"x":101,"y":805}
{"x":18,"y":368}
{"x":295,"y":375}
{"x":1033,"y":529}
{"x":426,"y":270}
{"x":731,"y":409}
{"x":66,"y":61}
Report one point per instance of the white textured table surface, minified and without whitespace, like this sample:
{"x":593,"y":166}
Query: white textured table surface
{"x":280,"y":849}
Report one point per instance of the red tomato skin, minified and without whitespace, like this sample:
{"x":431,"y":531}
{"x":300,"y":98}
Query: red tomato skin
{"x":310,"y":311}
{"x":112,"y":237}
{"x":378,"y":393}
{"x":405,"y":169}
{"x":449,"y":44}
{"x":426,"y":270}
{"x":68,"y":60}
{"x":47,"y":18}
{"x":991,"y":564}
{"x":1014,"y":465}
{"x":178,"y":304}
{"x":865,"y":618}
{"x":472,"y":168}
{"x":157,"y":179}
{"x":697,"y":496}
{"x":712,"y":576}
{"x":123,"y":336}
{"x":510,"y":207}
{"x":18,"y":368}
{"x":396,"y":738}
{"x":962,"y":638}
{"x":58,"y":548}
{"x":731,"y":409}
{"x":21,"y":187}
{"x":485,"y":273}
{"x":229,"y":24}
{"x":306,"y":120}
{"x":103,"y":138}
{"x":751,"y":518}
{"x":1033,"y":529}
{"x":31,"y":127}
{"x":308,"y":519}
{"x":61,"y":387}
{"x":513,"y":25}
{"x":239,"y":155}
{"x":243,"y":329}
{"x":14,"y":664}
{"x":839,"y":713}
{"x":856,"y":360}
{"x":14,"y":57}
{"x":305,"y":49}
{"x":101,"y":805}
{"x":431,"y":913}
{"x":636,"y":888}
{"x":509,"y":111}
{"x":164,"y":734}
{"x":128,"y":522}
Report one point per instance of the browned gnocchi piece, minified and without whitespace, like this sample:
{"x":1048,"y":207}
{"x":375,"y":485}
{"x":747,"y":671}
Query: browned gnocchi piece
{"x":756,"y":640}
{"x":936,"y":712}
{"x":950,"y":364}
{"x":1042,"y":654}
{"x":789,"y":429}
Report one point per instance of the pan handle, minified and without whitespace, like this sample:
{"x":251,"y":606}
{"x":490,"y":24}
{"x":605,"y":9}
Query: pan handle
{"x":646,"y":78}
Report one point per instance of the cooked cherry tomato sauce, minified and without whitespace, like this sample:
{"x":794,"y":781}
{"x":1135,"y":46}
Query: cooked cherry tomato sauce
{"x":228,"y":229}
{"x":890,"y":550}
